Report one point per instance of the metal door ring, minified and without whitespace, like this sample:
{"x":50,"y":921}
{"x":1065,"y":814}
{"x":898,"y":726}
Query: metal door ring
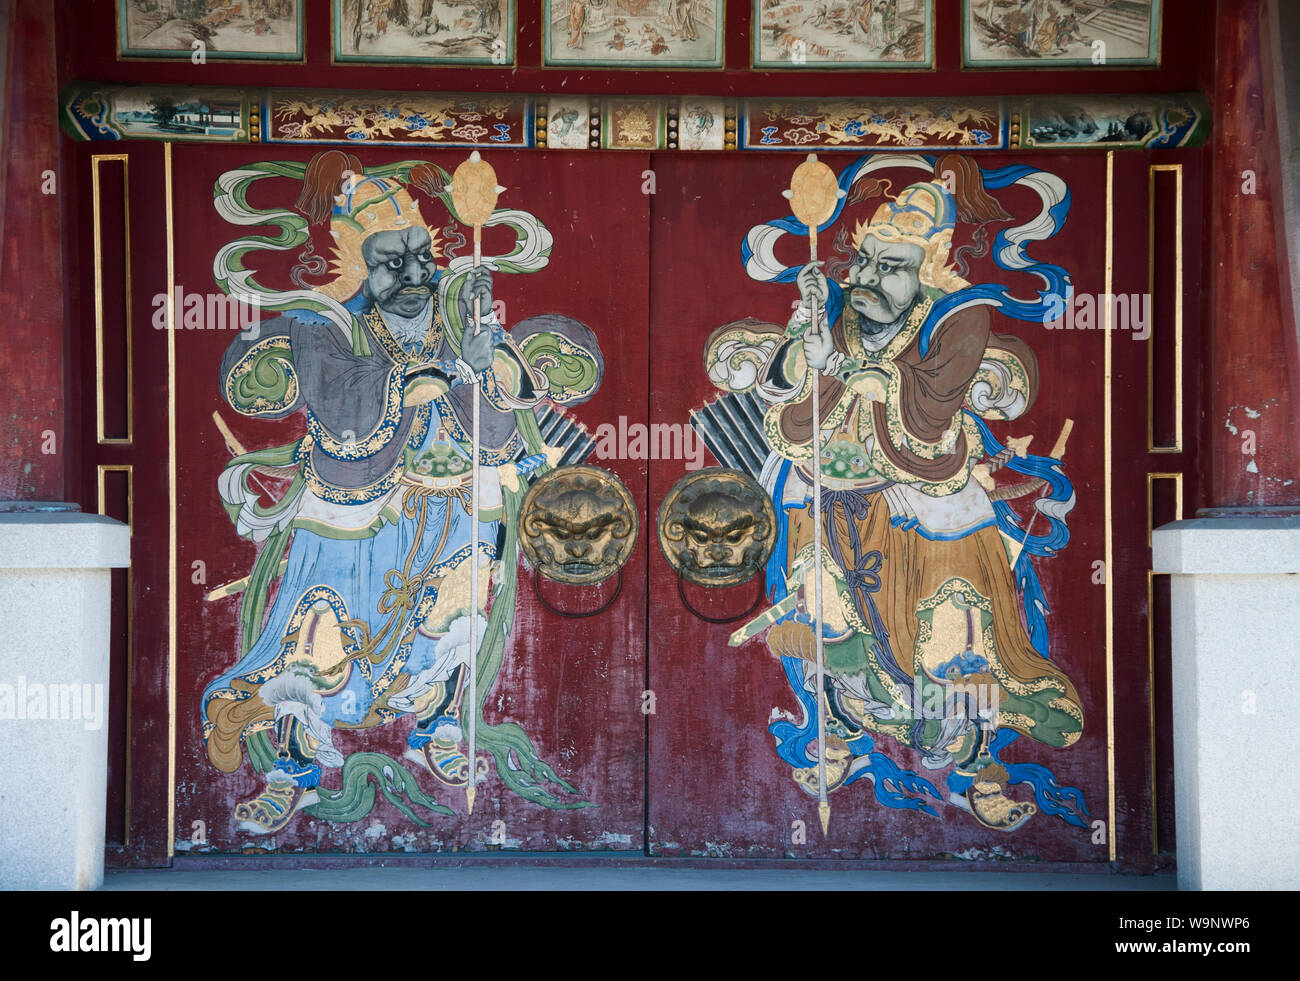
{"x":537,"y":588}
{"x":739,"y":616}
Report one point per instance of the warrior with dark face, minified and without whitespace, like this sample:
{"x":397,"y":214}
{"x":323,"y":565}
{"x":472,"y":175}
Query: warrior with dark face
{"x":371,"y":619}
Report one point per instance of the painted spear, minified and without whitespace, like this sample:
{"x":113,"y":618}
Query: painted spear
{"x":474,"y":191}
{"x":813,"y":194}
{"x":1058,"y":453}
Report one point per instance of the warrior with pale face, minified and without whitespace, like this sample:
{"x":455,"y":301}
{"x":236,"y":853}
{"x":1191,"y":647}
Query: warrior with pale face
{"x":920,"y":595}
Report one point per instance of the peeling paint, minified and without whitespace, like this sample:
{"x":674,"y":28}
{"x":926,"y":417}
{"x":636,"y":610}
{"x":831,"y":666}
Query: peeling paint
{"x":997,"y":852}
{"x":713,"y":849}
{"x":1249,"y":412}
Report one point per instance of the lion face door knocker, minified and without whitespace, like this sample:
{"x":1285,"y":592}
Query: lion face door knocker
{"x":717,"y":528}
{"x":578,"y":526}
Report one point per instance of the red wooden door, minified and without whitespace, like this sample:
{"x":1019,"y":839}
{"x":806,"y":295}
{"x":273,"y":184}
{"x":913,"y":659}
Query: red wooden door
{"x":640,"y":728}
{"x":562,"y":734}
{"x":1064,"y":772}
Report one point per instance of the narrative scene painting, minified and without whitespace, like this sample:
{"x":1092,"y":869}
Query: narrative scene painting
{"x":230,"y":30}
{"x":1051,"y":33}
{"x":843,"y":34}
{"x":634,"y":33}
{"x":425,"y":31}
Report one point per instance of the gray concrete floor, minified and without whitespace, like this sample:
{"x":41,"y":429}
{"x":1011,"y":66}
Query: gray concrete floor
{"x":622,"y":879}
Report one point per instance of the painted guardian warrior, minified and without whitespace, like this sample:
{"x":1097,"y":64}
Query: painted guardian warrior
{"x":934,"y":633}
{"x":370,"y":533}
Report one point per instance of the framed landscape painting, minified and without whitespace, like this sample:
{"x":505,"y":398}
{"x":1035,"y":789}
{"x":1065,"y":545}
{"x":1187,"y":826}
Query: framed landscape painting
{"x":429,"y":32}
{"x":857,"y":34}
{"x":1061,"y":33}
{"x":633,"y":33}
{"x":222,"y":30}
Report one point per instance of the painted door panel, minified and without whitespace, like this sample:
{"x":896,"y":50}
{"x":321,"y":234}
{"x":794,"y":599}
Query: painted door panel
{"x":573,"y":690}
{"x":717,"y":784}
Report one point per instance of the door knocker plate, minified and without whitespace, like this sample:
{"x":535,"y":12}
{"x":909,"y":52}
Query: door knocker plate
{"x":578,"y":525}
{"x":717,"y":527}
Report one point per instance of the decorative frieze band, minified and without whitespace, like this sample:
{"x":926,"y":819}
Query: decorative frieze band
{"x":90,"y":111}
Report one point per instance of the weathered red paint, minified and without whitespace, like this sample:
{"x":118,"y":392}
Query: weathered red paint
{"x":716,"y":784}
{"x":574,"y":686}
{"x":1249,"y":364}
{"x":31,"y":269}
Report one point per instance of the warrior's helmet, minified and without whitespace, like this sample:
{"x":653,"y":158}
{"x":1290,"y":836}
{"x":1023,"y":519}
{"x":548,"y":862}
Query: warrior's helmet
{"x":363,"y":207}
{"x":925,"y":215}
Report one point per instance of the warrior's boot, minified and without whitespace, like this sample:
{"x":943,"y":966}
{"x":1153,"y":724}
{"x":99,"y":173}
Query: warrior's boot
{"x":435,"y":741}
{"x":290,"y":785}
{"x":978,"y":785}
{"x":838,"y":755}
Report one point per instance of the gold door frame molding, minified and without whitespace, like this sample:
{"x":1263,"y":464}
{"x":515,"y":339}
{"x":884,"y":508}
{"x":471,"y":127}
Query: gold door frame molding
{"x":1177,"y":478}
{"x":1108,"y":442}
{"x":98,"y":263}
{"x":171,"y":501}
{"x":101,"y":501}
{"x":100,"y":489}
{"x":1177,"y":171}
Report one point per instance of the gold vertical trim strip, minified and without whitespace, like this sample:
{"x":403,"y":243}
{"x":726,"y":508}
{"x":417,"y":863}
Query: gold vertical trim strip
{"x":1151,"y":640}
{"x":98,"y":257}
{"x":101,"y":495}
{"x":171,"y":505}
{"x":1177,"y":171}
{"x":1177,"y":478}
{"x":1110,"y":568}
{"x":100,"y":489}
{"x":1151,"y":705}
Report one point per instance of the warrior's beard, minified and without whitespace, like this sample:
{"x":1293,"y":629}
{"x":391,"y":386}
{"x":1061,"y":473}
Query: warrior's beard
{"x":409,"y":330}
{"x":875,"y":334}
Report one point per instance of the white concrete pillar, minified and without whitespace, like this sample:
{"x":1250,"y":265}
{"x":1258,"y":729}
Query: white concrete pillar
{"x":1236,"y":687}
{"x":54,"y":651}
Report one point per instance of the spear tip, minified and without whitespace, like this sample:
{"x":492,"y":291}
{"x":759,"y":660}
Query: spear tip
{"x":824,"y":812}
{"x":470,"y":791}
